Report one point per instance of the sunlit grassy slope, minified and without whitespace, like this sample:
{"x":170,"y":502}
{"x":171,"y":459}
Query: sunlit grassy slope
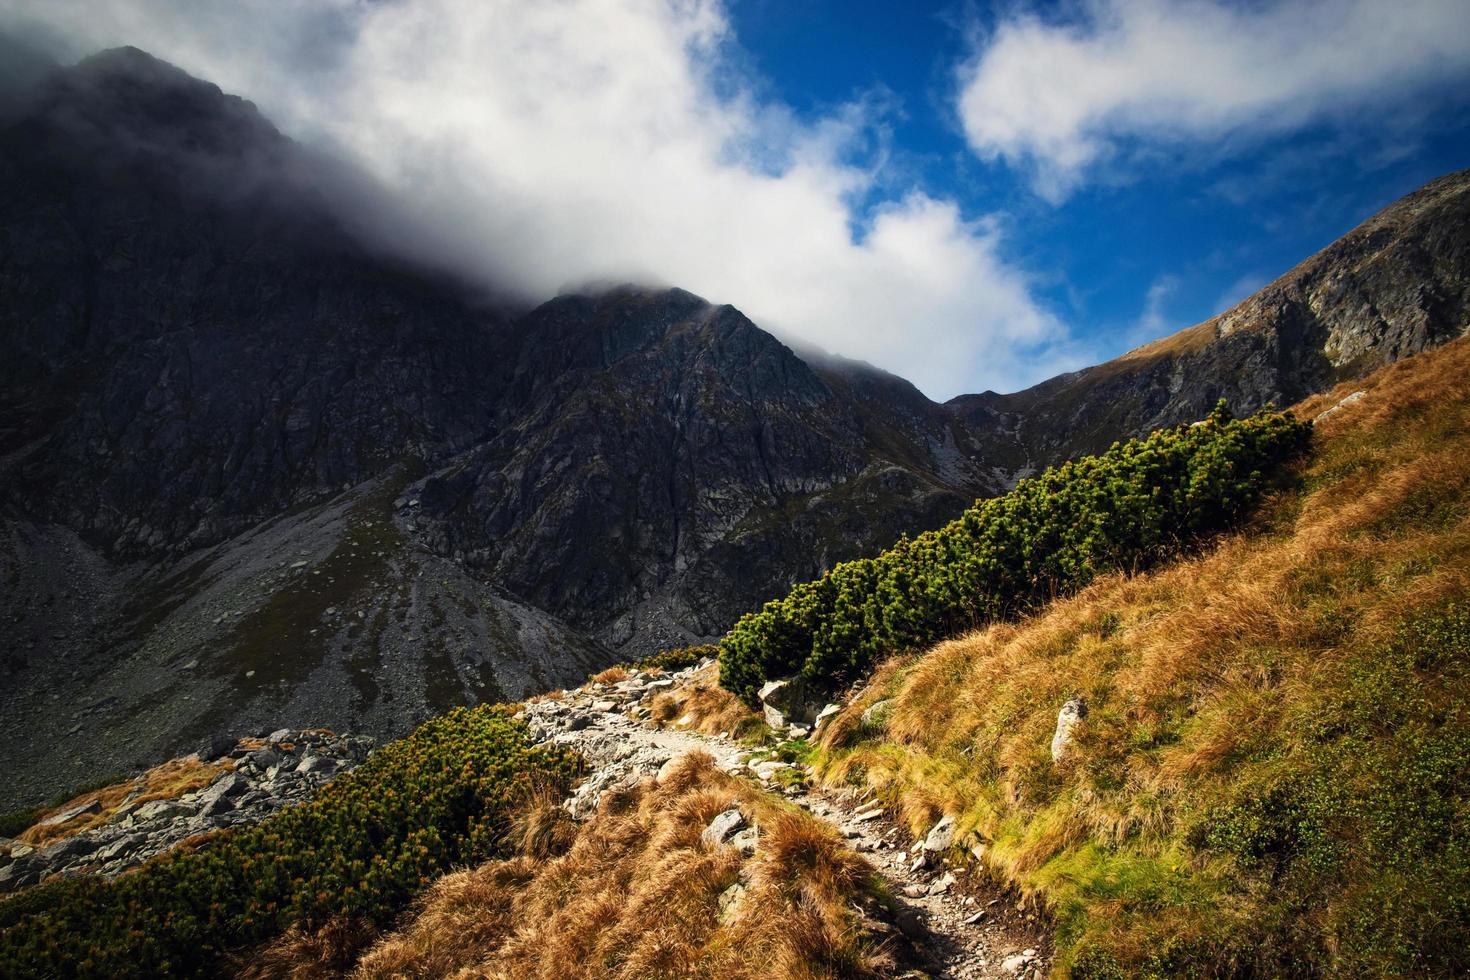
{"x":634,"y":893}
{"x":1274,"y":774}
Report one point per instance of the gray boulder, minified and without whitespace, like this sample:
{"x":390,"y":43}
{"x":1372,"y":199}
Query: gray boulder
{"x":787,"y":702}
{"x":723,"y":827}
{"x":219,"y":797}
{"x":941,"y":836}
{"x":1068,"y":719}
{"x":71,"y":813}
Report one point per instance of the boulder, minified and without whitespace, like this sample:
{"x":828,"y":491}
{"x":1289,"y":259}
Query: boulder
{"x":219,"y":797}
{"x":72,"y":812}
{"x":61,"y":853}
{"x":723,"y":826}
{"x":123,"y":846}
{"x":214,"y":747}
{"x":730,"y":902}
{"x":1068,"y":719}
{"x":747,"y":840}
{"x":160,"y":810}
{"x":1017,"y":962}
{"x":941,"y":836}
{"x":787,"y":702}
{"x":317,"y":763}
{"x":264,"y":758}
{"x":828,"y":712}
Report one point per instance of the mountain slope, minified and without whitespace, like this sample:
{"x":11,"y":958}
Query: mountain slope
{"x":256,"y":472}
{"x":253,"y":469}
{"x":1397,"y":284}
{"x":1249,"y":763}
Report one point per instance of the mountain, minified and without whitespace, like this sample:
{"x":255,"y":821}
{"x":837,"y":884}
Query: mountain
{"x":1395,"y":285}
{"x":258,"y":471}
{"x":253,"y":468}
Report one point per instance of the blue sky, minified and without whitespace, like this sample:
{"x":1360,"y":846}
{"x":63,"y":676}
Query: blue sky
{"x":971,"y":195}
{"x":1136,"y":254}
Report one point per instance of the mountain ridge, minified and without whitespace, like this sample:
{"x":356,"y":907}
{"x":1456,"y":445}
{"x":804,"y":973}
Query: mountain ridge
{"x":302,"y":477}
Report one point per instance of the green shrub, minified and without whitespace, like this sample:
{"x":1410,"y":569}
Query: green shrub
{"x":370,"y":841}
{"x":1139,"y":502}
{"x":677,"y":658}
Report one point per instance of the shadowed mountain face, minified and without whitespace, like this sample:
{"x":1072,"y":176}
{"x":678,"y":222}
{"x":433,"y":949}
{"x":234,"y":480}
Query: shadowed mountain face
{"x":254,"y":473}
{"x":252,"y":470}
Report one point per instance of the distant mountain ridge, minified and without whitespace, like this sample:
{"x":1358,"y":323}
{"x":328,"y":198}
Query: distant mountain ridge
{"x":255,"y":472}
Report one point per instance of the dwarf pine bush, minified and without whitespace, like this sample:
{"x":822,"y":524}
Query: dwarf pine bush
{"x":1128,"y":508}
{"x":366,"y":845}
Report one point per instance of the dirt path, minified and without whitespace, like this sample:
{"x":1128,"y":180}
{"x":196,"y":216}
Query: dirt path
{"x":966,"y":927}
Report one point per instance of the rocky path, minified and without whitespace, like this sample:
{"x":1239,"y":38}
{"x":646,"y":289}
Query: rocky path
{"x":964,"y":926}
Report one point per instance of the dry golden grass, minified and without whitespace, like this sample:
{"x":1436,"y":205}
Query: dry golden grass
{"x":610,"y":676}
{"x":168,"y":781}
{"x":702,"y":705}
{"x":635,"y":894}
{"x":1205,"y":681}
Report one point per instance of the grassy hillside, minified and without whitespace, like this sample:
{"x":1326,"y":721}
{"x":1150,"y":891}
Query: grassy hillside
{"x":1273,"y":775}
{"x":634,"y":893}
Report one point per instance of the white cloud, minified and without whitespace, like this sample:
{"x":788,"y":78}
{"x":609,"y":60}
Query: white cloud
{"x":567,"y":141}
{"x":1060,"y":97}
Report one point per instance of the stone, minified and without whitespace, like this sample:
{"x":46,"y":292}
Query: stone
{"x":72,"y":812}
{"x":785,"y":702}
{"x":730,"y":902}
{"x":265,"y":758}
{"x":1068,"y":720}
{"x":578,"y":722}
{"x":219,"y":797}
{"x":941,"y":836}
{"x":1017,"y":962}
{"x":21,"y":874}
{"x":1355,"y":397}
{"x":975,"y":917}
{"x":279,"y":735}
{"x":215,"y":746}
{"x":122,"y":847}
{"x":317,"y":763}
{"x":159,"y":810}
{"x":828,"y":712}
{"x":603,"y":707}
{"x":943,"y":885}
{"x":71,"y":848}
{"x":723,"y":826}
{"x":664,"y":770}
{"x":767,"y":769}
{"x":875,"y":717}
{"x":746,"y":840}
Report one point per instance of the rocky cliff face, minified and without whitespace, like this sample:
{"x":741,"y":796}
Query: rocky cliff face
{"x":1395,"y":285}
{"x":254,"y":473}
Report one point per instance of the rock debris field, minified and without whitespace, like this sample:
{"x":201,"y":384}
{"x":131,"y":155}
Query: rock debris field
{"x":229,"y":783}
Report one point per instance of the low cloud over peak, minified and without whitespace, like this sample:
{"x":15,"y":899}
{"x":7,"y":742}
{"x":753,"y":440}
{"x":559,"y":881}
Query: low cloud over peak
{"x":554,"y":143}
